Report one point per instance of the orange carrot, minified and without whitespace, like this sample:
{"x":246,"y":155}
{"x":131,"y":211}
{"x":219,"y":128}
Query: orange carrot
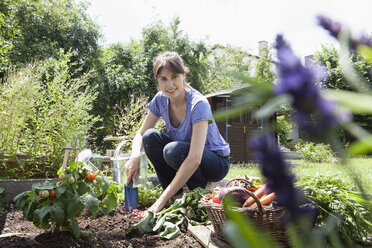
{"x":266,"y":200}
{"x":259,"y":192}
{"x":253,"y":188}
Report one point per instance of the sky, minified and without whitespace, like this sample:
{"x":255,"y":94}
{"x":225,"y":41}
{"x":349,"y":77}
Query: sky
{"x":241,"y":23}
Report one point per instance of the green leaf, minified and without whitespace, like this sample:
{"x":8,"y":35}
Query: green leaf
{"x":2,"y":190}
{"x":21,"y":195}
{"x":75,"y":206}
{"x":57,"y":214}
{"x":358,"y":103}
{"x":171,"y":231}
{"x":366,"y":52}
{"x":362,"y":146}
{"x":144,"y":226}
{"x":41,"y":213}
{"x":60,"y":190}
{"x":83,"y":188}
{"x":90,"y":202}
{"x":75,"y":229}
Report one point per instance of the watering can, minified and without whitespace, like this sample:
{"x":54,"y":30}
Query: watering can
{"x":119,"y":176}
{"x":85,"y":157}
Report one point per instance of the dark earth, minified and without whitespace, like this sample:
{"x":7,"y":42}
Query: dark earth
{"x":108,"y":231}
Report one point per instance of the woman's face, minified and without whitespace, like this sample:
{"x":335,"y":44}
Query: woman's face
{"x":171,"y":84}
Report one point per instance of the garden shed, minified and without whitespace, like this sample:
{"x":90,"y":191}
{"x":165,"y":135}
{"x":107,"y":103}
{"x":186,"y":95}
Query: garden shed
{"x":237,"y":131}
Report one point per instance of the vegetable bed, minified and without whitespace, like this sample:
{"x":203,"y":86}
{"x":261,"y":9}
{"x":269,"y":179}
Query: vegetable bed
{"x":108,"y":231}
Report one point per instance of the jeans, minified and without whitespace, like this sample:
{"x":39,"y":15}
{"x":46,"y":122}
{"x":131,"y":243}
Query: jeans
{"x":167,"y":156}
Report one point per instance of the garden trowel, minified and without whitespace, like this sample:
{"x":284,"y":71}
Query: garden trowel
{"x":131,"y":196}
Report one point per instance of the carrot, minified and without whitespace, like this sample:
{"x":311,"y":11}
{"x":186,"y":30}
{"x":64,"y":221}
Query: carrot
{"x":259,"y":192}
{"x":253,"y":188}
{"x":266,"y":200}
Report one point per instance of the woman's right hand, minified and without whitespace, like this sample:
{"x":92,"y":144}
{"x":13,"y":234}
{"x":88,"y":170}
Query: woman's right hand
{"x":131,"y":168}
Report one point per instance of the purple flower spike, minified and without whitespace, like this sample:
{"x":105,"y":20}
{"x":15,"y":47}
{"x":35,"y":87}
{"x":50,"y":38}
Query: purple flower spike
{"x":333,"y":27}
{"x":279,"y":179}
{"x":312,"y":112}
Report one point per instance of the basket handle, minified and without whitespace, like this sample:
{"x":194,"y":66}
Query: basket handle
{"x":259,"y":205}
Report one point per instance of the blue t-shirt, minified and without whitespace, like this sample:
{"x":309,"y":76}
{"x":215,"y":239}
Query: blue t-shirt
{"x":197,"y":109}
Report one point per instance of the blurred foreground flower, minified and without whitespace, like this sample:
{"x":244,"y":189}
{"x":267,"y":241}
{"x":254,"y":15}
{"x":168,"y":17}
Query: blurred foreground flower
{"x":314,"y":113}
{"x":335,"y":28}
{"x":279,"y":179}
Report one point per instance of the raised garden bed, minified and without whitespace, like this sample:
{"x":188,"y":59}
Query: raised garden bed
{"x":13,"y":187}
{"x":108,"y":231}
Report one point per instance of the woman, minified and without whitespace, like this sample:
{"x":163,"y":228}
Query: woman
{"x":193,"y":152}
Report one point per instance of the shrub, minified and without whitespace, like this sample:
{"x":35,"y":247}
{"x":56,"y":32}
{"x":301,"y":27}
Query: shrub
{"x":42,"y":109}
{"x":317,"y":153}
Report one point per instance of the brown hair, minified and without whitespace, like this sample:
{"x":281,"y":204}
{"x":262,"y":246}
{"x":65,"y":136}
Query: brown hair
{"x":171,"y":61}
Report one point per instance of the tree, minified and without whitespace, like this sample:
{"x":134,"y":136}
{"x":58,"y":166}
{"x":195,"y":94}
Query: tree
{"x":328,"y":57}
{"x":224,"y":59}
{"x":264,"y":65}
{"x":43,"y":27}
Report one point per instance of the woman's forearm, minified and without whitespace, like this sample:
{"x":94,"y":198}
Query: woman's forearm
{"x":137,"y":145}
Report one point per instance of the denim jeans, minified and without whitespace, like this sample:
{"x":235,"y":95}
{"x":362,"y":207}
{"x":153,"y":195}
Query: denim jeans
{"x":167,"y":156}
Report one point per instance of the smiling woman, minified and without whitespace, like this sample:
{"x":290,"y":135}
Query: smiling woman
{"x":192,"y":152}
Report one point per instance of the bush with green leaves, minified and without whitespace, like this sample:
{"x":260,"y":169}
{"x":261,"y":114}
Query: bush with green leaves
{"x":42,"y":109}
{"x":316,"y":153}
{"x":338,"y":200}
{"x":284,"y":128}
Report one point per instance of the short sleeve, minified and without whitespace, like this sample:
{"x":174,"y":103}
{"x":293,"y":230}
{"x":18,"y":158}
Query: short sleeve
{"x":201,"y":112}
{"x":154,"y":105}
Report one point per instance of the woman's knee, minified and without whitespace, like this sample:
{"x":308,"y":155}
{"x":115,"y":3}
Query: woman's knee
{"x":150,"y":136}
{"x":175,"y":153}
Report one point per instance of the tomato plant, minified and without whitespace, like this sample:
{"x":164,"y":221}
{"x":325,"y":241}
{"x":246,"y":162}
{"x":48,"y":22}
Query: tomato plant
{"x":54,"y":206}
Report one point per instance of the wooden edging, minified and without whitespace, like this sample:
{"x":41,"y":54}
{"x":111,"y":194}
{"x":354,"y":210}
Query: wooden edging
{"x":205,"y":235}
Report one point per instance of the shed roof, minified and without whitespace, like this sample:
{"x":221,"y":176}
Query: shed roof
{"x":225,"y":93}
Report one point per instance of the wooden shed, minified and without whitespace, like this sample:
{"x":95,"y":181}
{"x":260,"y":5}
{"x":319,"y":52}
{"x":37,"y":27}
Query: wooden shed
{"x":237,"y":131}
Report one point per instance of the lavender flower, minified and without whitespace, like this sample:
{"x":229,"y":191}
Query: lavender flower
{"x":312,"y":112}
{"x":334,"y":28}
{"x":279,"y":179}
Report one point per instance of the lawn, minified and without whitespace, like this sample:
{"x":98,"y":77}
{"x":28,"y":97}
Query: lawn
{"x":361,"y":167}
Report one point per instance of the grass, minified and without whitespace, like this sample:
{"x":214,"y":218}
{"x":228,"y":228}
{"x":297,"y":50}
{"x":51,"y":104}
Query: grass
{"x":360,"y":167}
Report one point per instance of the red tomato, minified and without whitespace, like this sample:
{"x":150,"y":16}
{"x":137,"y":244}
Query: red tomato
{"x":52,"y":193}
{"x":91,"y":177}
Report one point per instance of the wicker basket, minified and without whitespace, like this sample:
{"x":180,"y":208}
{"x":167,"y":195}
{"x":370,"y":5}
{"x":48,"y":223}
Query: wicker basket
{"x":263,"y":217}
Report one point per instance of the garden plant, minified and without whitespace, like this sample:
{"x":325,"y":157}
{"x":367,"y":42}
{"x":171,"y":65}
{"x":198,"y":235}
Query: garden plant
{"x":55,"y":206}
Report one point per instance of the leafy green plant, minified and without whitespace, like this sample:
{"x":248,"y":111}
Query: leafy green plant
{"x":54,"y":206}
{"x":284,"y":128}
{"x":166,"y":223}
{"x":148,"y":193}
{"x":318,"y":153}
{"x":338,"y":199}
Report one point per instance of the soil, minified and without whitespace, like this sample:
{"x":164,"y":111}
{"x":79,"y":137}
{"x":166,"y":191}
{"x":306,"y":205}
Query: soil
{"x":108,"y":231}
